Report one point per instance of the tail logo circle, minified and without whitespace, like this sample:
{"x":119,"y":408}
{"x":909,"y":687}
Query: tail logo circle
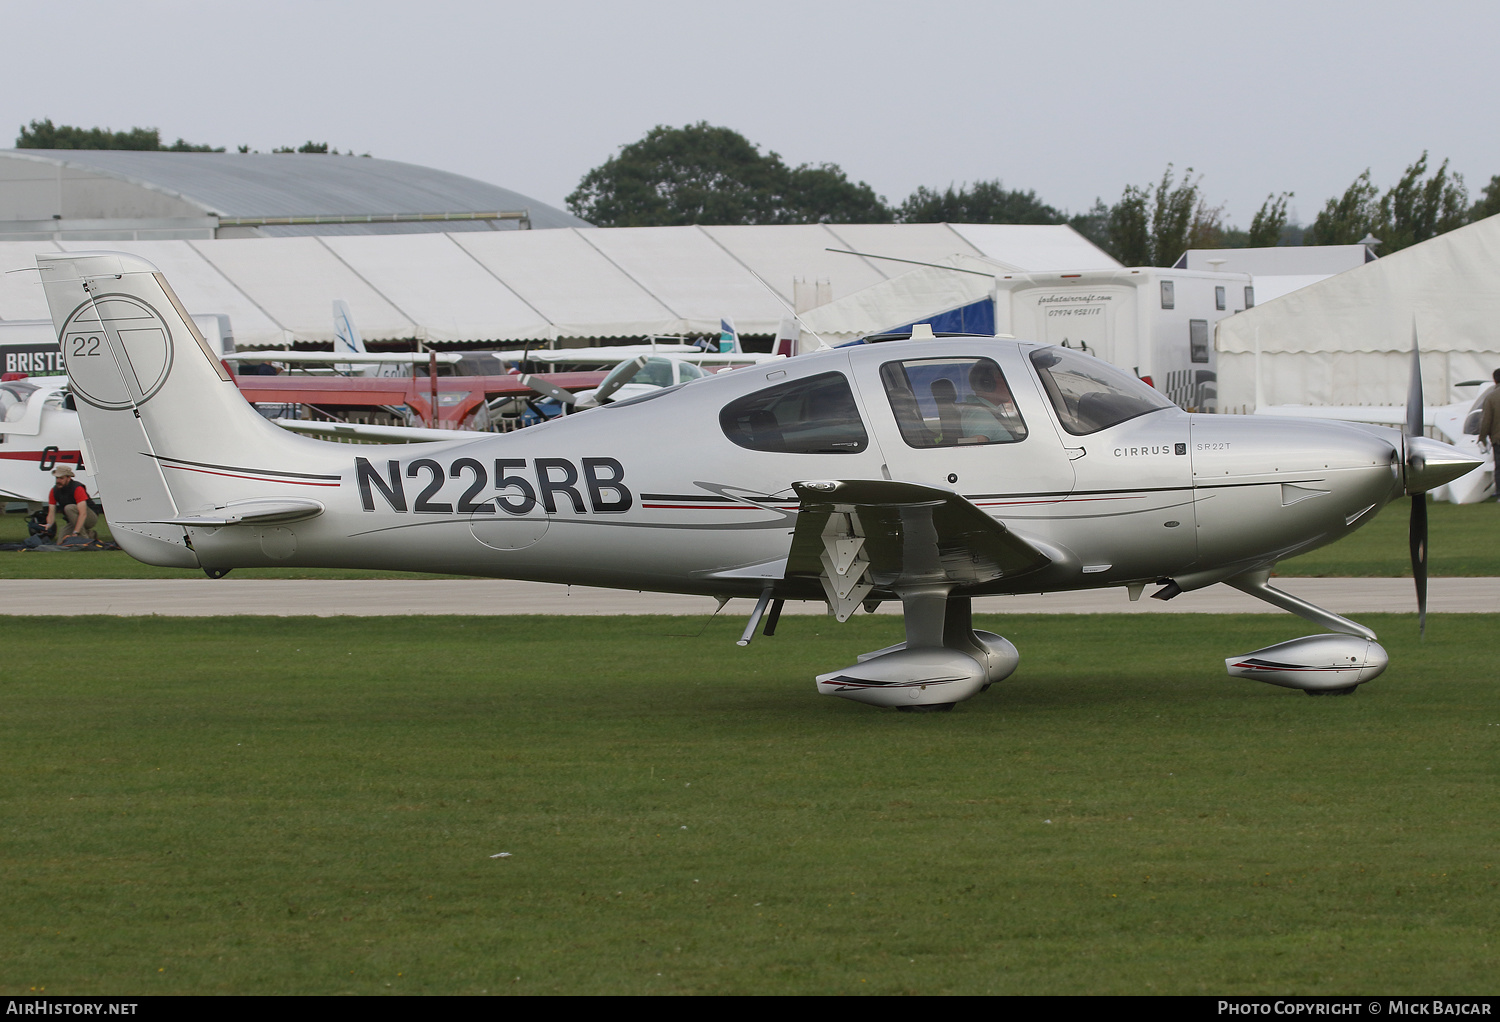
{"x":117,"y":351}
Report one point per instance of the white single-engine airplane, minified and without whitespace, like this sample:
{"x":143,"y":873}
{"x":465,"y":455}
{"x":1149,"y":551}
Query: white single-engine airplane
{"x":926,"y":471}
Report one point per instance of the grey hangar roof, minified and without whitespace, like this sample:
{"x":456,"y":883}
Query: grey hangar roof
{"x":126,"y":195}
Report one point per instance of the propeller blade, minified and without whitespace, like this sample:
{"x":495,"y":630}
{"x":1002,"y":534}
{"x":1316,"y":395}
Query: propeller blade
{"x":1417,"y":530}
{"x":1414,"y":387}
{"x":1418,"y":537}
{"x":618,"y":377}
{"x":548,"y":389}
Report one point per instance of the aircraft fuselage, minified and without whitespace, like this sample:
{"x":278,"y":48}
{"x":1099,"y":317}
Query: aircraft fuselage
{"x":655,"y":495}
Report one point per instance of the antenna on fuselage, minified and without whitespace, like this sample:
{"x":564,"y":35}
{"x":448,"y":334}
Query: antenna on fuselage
{"x":822,"y":344}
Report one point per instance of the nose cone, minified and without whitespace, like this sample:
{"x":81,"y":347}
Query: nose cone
{"x":1431,"y":463}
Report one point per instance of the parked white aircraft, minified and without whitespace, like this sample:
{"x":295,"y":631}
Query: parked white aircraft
{"x":634,"y":377}
{"x":39,"y":432}
{"x":614,"y":354}
{"x":843,"y":475}
{"x":346,"y":339}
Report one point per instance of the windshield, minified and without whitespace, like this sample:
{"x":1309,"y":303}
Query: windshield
{"x":1089,"y":393}
{"x":13,"y":398}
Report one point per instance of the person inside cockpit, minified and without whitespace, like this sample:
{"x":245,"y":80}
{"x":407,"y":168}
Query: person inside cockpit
{"x":991,"y":417}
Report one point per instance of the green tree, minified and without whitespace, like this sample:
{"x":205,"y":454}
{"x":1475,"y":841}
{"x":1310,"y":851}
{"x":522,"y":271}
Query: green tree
{"x":824,"y":194}
{"x":1490,"y":204}
{"x":1181,"y":220}
{"x":1415,"y":210}
{"x":1093,"y":224}
{"x":1154,"y":226}
{"x":702,"y":174}
{"x":1269,"y":222}
{"x":986,"y":202}
{"x":1236,"y":237}
{"x":45,"y":135}
{"x":1130,"y":227}
{"x":1347,"y":219}
{"x":1412,"y":211}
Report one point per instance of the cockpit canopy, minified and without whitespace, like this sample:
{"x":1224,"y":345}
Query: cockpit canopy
{"x":1089,"y":394}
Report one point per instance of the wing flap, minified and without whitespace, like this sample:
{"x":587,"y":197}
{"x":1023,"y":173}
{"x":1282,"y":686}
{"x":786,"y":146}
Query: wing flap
{"x":861,"y":535}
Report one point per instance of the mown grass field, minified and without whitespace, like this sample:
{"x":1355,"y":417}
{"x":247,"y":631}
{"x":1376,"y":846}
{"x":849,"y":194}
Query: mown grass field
{"x":1465,"y":540}
{"x":311,"y":806}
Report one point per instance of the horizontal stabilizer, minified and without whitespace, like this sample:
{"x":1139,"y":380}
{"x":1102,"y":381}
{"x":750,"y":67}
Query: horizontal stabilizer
{"x":257,"y":511}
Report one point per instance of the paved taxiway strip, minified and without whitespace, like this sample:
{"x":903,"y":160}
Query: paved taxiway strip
{"x":326,"y":598}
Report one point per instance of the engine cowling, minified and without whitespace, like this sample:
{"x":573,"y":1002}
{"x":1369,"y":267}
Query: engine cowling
{"x":1314,"y":663}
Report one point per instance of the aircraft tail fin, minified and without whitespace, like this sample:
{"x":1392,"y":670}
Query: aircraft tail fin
{"x":165,"y":428}
{"x":346,"y":338}
{"x":345,"y":334}
{"x":729,"y":337}
{"x":787,"y":336}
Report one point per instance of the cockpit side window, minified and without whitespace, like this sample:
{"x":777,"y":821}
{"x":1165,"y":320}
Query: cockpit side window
{"x":1090,"y":394}
{"x":817,"y":415}
{"x":948,"y":402}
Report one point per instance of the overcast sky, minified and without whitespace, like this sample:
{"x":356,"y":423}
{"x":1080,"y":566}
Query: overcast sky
{"x":1073,"y":100}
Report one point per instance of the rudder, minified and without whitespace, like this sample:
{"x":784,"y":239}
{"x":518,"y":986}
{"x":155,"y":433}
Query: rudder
{"x":153,"y":399}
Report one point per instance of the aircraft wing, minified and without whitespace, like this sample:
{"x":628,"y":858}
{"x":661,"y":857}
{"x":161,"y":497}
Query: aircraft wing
{"x":859,"y":534}
{"x":615,"y":354}
{"x":345,"y":357}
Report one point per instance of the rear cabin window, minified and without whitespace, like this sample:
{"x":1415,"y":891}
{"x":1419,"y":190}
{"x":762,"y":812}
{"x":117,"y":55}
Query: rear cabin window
{"x":948,"y":402}
{"x":1090,"y":394}
{"x":817,"y":415}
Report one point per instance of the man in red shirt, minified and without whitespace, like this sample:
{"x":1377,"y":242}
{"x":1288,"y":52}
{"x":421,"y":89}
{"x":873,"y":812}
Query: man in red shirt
{"x":70,"y":495}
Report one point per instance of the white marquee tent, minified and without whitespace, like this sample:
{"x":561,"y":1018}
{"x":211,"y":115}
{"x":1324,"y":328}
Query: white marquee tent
{"x":1346,"y":340}
{"x":921,"y":291}
{"x":507,"y":286}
